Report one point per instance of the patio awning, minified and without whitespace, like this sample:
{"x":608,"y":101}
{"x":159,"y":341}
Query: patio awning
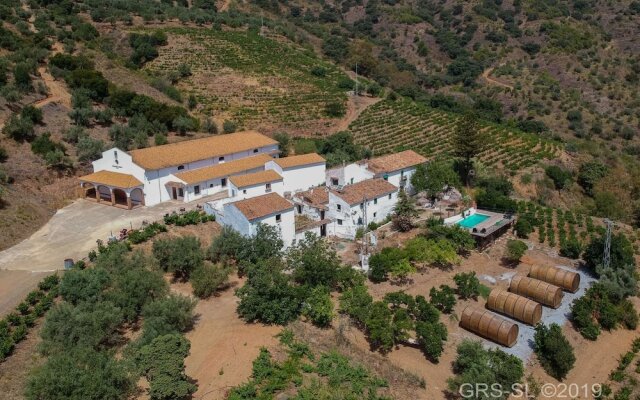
{"x":112,"y":179}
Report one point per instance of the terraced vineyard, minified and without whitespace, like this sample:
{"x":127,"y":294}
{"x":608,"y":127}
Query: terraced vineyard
{"x":402,"y":124}
{"x":251,"y":79}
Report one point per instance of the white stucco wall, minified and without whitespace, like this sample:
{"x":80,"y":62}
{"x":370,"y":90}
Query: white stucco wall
{"x":345,"y":221}
{"x":396,"y":178}
{"x":255,"y":190}
{"x":155,"y":181}
{"x":348,"y":174}
{"x":233,"y":217}
{"x":297,"y":179}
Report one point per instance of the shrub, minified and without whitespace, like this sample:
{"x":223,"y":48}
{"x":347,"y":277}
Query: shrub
{"x":468,"y":285}
{"x":523,"y":227}
{"x":4,"y":156}
{"x":180,"y":256}
{"x":335,"y":109}
{"x":19,"y":129}
{"x":313,"y":262}
{"x":553,"y":350}
{"x":356,"y":302}
{"x":89,"y":149}
{"x":476,"y":368}
{"x":379,"y":329}
{"x":561,"y":178}
{"x":166,"y":315}
{"x":571,"y":248}
{"x":514,"y":251}
{"x":268,"y":295}
{"x":381,"y":263}
{"x":459,"y":237}
{"x":32,"y":114}
{"x":443,"y":299}
{"x":229,"y":126}
{"x":621,"y":252}
{"x":589,"y":174}
{"x":208,"y":279}
{"x":93,"y":81}
{"x":318,"y":307}
{"x":431,"y":337}
{"x":228,"y":246}
{"x":162,"y":362}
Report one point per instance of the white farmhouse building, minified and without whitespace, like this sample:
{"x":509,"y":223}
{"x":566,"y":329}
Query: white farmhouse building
{"x":397,"y":168}
{"x":300,"y":172}
{"x":255,"y":184}
{"x":270,"y":209}
{"x":348,"y":175}
{"x":179,"y":171}
{"x":363,"y":202}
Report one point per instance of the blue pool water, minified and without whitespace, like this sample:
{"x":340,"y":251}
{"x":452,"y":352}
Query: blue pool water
{"x":473,"y":220}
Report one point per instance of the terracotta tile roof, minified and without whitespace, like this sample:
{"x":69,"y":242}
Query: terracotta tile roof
{"x":173,"y":154}
{"x":316,"y":196}
{"x":255,"y":178}
{"x":228,"y":168}
{"x":369,"y":189}
{"x":396,"y":161}
{"x":110,"y":178}
{"x":296,"y":161}
{"x":261,"y":206}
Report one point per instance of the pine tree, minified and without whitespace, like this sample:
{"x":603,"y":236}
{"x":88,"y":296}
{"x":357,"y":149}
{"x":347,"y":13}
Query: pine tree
{"x":468,"y":142}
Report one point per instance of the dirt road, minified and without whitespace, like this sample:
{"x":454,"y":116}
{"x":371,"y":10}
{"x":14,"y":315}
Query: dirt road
{"x":71,"y":233}
{"x":486,"y":75}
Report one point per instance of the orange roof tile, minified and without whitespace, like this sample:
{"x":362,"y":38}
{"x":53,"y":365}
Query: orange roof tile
{"x":315,"y":196}
{"x":369,"y":189}
{"x":261,"y":206}
{"x":173,"y":154}
{"x":296,"y":161}
{"x":255,"y":178}
{"x":396,"y":161}
{"x":111,"y":178}
{"x":223,"y":170}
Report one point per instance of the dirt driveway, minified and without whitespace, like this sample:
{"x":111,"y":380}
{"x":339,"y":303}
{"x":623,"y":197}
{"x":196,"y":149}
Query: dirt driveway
{"x":71,"y":233}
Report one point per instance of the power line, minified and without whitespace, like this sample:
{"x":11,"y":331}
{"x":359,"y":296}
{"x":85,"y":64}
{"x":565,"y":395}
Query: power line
{"x":606,"y":257}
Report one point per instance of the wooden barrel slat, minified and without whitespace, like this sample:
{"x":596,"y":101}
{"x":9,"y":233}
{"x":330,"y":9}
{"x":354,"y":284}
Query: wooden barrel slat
{"x":514,"y":306}
{"x":537,"y":290}
{"x":567,"y":280}
{"x":490,"y":326}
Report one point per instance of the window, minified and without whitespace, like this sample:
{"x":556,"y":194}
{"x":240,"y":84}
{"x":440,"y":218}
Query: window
{"x":180,"y":167}
{"x":359,"y":220}
{"x":375,"y":201}
{"x":220,"y":159}
{"x":361,"y":206}
{"x":335,"y":181}
{"x":278,"y":217}
{"x":339,"y":207}
{"x":233,"y":193}
{"x":352,"y":181}
{"x":255,"y":150}
{"x":339,"y":222}
{"x":299,"y":209}
{"x":223,"y":182}
{"x":268,"y":187}
{"x":244,"y":191}
{"x":375,"y":214}
{"x":196,"y":189}
{"x":115,"y":156}
{"x":390,"y":196}
{"x":211,"y":185}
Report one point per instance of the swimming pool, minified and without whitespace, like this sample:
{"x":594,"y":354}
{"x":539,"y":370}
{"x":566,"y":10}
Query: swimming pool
{"x":473,"y":220}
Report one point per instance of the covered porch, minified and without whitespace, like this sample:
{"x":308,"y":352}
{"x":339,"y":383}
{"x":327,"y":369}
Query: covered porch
{"x":113,"y":188}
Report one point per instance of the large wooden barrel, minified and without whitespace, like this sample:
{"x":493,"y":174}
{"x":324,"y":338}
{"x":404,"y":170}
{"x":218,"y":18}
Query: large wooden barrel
{"x":489,"y":325}
{"x":567,"y":280}
{"x":514,"y":306}
{"x":537,"y":290}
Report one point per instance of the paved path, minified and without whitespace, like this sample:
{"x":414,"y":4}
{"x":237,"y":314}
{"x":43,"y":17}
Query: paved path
{"x":72,"y":232}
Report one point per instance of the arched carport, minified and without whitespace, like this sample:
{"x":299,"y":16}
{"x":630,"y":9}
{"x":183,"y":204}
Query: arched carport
{"x":114,"y":188}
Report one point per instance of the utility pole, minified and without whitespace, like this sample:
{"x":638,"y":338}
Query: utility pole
{"x":364,"y":252}
{"x":606,"y":257}
{"x":356,"y":92}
